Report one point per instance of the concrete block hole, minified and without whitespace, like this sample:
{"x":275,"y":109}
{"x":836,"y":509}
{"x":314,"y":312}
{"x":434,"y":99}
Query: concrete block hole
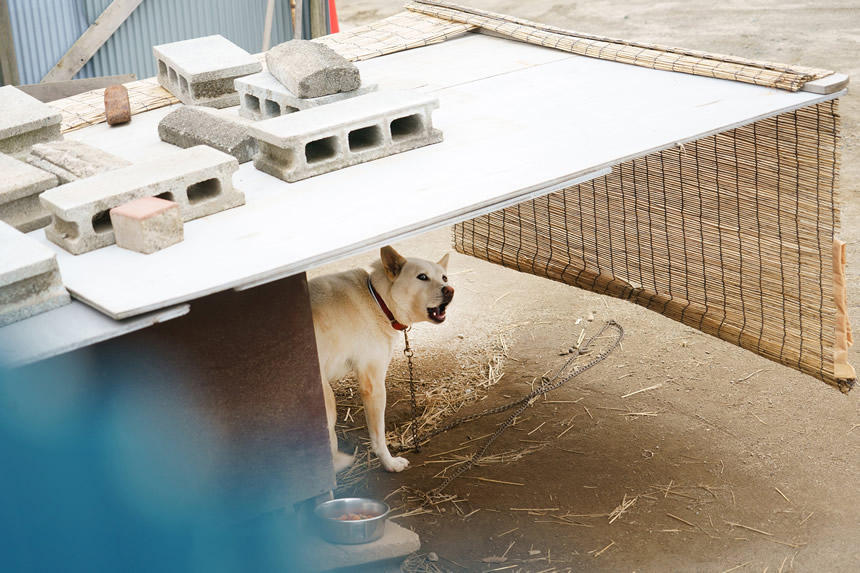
{"x":365,"y":138}
{"x":183,"y":84}
{"x":102,"y":222}
{"x":252,"y":103}
{"x":162,"y":68}
{"x":405,"y":127}
{"x":172,"y":74}
{"x":272,"y":108}
{"x":321,"y":149}
{"x":204,"y":191}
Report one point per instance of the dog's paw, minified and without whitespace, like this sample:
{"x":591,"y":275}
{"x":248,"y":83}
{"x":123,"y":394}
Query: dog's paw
{"x":395,"y":464}
{"x":342,"y":461}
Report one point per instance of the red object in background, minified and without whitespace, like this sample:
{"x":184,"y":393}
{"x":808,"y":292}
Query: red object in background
{"x":332,"y":18}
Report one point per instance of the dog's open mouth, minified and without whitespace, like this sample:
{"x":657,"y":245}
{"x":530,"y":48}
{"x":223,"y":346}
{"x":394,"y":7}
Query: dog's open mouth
{"x":437,"y":313}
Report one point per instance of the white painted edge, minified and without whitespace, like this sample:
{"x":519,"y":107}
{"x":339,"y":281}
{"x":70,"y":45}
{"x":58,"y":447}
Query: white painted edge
{"x":77,"y":312}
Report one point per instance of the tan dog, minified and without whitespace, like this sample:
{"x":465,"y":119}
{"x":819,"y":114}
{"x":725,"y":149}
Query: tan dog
{"x":358,"y":321}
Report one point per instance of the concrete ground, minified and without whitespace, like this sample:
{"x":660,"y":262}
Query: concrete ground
{"x":741,"y":464}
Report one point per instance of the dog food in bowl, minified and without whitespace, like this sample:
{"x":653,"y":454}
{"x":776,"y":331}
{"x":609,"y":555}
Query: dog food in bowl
{"x":351,"y":520}
{"x":356,"y":516}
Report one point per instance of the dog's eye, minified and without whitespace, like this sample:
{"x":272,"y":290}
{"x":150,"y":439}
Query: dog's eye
{"x":444,"y":279}
{"x":423,"y":277}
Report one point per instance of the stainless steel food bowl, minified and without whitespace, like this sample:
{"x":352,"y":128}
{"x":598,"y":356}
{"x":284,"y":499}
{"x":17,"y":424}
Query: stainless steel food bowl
{"x":355,"y":531}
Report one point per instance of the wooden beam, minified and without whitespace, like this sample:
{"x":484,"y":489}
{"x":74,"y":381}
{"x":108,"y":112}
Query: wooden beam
{"x":267,"y":27}
{"x":91,"y":40}
{"x":8,"y":61}
{"x":52,"y":91}
{"x":318,"y":23}
{"x":298,"y":27}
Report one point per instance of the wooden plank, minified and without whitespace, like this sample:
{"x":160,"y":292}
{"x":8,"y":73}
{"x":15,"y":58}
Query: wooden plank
{"x":91,"y":40}
{"x":318,"y":23}
{"x":517,"y":119}
{"x":52,"y":91}
{"x":827,"y":85}
{"x":267,"y":26}
{"x":8,"y":60}
{"x":298,"y":25}
{"x":69,"y":328}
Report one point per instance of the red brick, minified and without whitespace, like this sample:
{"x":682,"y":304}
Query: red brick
{"x":117,"y":107}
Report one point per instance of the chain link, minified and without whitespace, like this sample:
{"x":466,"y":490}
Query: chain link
{"x":547,"y":385}
{"x":408,"y":353}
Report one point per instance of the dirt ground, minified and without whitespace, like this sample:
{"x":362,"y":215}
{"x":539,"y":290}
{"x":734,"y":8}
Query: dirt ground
{"x":733,"y":463}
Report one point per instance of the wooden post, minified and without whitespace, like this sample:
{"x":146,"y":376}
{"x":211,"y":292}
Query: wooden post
{"x":91,"y":40}
{"x":8,"y":61}
{"x":318,"y":18}
{"x":267,"y":26}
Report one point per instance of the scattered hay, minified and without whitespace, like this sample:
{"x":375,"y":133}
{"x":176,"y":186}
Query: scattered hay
{"x":465,"y":378}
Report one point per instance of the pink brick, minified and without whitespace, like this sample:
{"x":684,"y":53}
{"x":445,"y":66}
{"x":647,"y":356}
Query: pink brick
{"x":147,"y":225}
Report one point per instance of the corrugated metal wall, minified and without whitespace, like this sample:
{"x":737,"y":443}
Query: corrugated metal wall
{"x":45,"y":29}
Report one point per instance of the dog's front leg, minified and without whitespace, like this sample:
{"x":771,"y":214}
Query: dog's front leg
{"x":371,"y":384}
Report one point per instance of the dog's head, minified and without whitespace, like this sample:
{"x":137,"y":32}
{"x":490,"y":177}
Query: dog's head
{"x":419,"y":288}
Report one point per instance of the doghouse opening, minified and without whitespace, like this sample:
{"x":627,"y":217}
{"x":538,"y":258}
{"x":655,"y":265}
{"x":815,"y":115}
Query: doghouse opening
{"x":321,"y":149}
{"x":204,"y":190}
{"x":408,"y":126}
{"x":365,"y":138}
{"x":101,"y":222}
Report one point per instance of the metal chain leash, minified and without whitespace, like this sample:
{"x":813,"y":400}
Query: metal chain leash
{"x":408,"y":353}
{"x":547,"y":385}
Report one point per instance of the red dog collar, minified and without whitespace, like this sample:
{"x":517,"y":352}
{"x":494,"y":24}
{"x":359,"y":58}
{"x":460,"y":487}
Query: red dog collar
{"x":394,"y":324}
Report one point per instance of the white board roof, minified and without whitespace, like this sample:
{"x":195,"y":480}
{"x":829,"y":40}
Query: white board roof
{"x":519,"y":121}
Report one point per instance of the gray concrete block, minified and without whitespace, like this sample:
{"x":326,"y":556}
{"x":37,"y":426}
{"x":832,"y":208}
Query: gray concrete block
{"x":189,"y":126}
{"x":261,"y":96}
{"x":201,"y":71}
{"x":30,"y":280}
{"x":199,"y":179}
{"x":147,"y":224}
{"x":71,"y":160}
{"x":20,"y":186}
{"x":310,"y":69}
{"x":24,"y":120}
{"x":395,"y":544}
{"x":300,"y":145}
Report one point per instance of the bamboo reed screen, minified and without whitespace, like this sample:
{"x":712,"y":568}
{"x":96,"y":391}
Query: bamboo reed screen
{"x":732,"y":234}
{"x":655,"y":56}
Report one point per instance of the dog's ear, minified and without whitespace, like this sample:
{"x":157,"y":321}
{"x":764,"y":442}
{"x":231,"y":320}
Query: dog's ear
{"x":392,"y":261}
{"x":443,"y":262}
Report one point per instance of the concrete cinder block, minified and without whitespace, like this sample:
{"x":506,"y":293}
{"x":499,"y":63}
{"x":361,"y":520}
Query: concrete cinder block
{"x":24,"y":120}
{"x":117,"y":106}
{"x":30,"y":280}
{"x":300,"y":145}
{"x":310,"y":69}
{"x":20,"y":186}
{"x":147,"y":224}
{"x":72,"y":160}
{"x":199,"y":179}
{"x":262,"y":96}
{"x":201,"y":71}
{"x":189,"y":126}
